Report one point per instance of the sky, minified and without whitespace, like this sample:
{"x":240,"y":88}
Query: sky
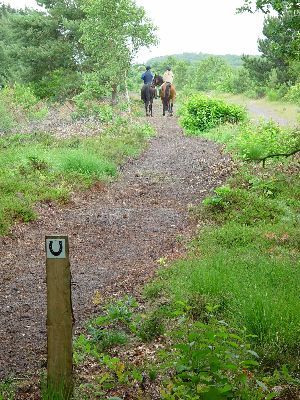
{"x":196,"y":26}
{"x":202,"y":26}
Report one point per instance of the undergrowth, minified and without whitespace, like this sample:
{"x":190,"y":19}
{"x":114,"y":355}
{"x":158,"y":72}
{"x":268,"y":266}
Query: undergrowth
{"x":39,"y":167}
{"x":250,"y":141}
{"x":19,"y":104}
{"x":223,"y":321}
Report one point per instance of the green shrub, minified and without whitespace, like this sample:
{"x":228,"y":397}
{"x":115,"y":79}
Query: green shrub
{"x":150,"y":327}
{"x":256,"y":92}
{"x":293,"y":94}
{"x":240,"y":81}
{"x":254,"y":141}
{"x":265,"y":138}
{"x":58,"y":85}
{"x":7,"y":120}
{"x":277,"y":93}
{"x":104,"y":339}
{"x":201,"y":113}
{"x":92,"y":108}
{"x":212,"y":362}
{"x":19,"y":103}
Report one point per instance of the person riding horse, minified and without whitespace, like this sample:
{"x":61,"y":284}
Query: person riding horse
{"x":168,"y":76}
{"x":148,"y":92}
{"x":167,"y":90}
{"x":147,"y":77}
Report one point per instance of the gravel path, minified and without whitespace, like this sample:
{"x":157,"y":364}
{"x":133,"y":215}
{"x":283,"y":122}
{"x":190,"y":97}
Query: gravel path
{"x":258,"y":111}
{"x":116,"y":233}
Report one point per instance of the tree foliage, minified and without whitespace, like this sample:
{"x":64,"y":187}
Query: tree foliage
{"x":40,"y":44}
{"x":54,"y":48}
{"x":279,"y":66}
{"x":281,"y":45}
{"x":112,"y":32}
{"x":266,"y":6}
{"x":8,"y":65}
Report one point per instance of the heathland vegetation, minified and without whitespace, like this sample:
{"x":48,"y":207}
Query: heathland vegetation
{"x":223,"y":321}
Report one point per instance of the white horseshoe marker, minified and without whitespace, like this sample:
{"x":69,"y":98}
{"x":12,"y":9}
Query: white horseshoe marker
{"x":56,"y":248}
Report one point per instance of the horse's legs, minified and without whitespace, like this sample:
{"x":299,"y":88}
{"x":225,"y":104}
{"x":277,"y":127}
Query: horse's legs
{"x":165,"y":107}
{"x":150,"y":109}
{"x":146,"y":107}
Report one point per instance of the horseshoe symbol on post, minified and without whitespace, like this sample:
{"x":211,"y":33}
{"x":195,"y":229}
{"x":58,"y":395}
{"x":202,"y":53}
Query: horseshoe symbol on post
{"x":56,"y":253}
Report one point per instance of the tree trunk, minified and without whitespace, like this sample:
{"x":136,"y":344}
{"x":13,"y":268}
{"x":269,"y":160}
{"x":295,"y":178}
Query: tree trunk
{"x":127,"y":95}
{"x":114,"y":95}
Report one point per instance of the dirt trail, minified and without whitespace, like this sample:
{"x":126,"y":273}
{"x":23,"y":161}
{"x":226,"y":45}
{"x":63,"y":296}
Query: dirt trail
{"x":116,"y":232}
{"x":259,"y":111}
{"x":284,"y":114}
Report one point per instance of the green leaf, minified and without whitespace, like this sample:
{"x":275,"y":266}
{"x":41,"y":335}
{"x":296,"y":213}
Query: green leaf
{"x":271,"y":396}
{"x":248,"y":363}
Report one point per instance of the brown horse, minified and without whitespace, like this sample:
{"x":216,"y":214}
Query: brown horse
{"x":167,"y":94}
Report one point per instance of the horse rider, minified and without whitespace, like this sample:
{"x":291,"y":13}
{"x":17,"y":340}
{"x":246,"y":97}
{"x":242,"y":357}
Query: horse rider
{"x":147,"y":77}
{"x":168,"y":76}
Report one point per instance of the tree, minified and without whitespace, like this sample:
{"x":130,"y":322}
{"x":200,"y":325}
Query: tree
{"x":6,"y":61}
{"x":266,"y":6}
{"x":68,"y":16}
{"x":211,"y":74}
{"x":112,"y":33}
{"x":181,"y":73}
{"x":39,"y":45}
{"x":281,"y":45}
{"x":42,"y":47}
{"x":259,"y":69}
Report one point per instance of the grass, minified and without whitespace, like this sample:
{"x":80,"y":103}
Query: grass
{"x":7,"y":389}
{"x":224,"y":318}
{"x":39,"y":167}
{"x":250,"y":247}
{"x":226,"y":315}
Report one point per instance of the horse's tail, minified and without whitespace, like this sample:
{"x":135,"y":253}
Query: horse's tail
{"x":167,"y":93}
{"x":146,"y":95}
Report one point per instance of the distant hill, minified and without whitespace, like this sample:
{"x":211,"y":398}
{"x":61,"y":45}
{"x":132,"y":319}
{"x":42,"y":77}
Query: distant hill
{"x":233,"y":60}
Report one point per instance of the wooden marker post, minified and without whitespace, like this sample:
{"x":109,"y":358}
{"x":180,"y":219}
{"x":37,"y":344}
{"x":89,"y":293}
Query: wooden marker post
{"x":59,"y":317}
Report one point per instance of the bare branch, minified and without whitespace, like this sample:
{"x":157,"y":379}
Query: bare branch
{"x":263,"y":159}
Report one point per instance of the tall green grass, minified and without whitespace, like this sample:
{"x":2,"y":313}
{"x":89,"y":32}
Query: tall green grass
{"x":252,"y":280}
{"x":249,"y":250}
{"x":39,"y":167}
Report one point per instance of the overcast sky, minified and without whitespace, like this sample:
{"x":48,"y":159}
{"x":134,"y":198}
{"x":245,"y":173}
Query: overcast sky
{"x":206,"y":26}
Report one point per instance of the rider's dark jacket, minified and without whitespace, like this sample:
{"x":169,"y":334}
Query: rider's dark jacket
{"x":147,"y":77}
